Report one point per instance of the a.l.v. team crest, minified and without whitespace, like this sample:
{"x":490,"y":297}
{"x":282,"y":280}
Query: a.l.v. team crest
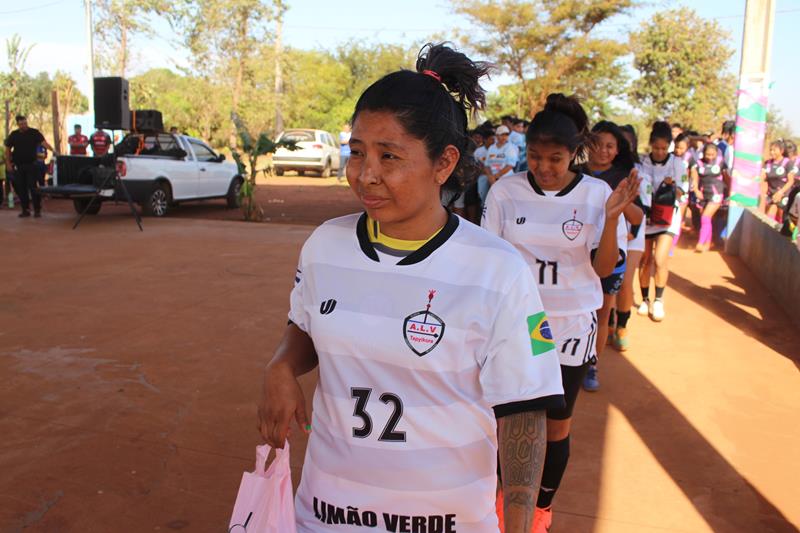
{"x":572,"y":227}
{"x":423,"y":330}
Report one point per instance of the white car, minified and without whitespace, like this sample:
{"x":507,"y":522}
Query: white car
{"x":317,"y":151}
{"x":159,"y":170}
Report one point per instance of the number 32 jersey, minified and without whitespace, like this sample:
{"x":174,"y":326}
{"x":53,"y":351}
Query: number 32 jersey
{"x":417,"y":357}
{"x":555,"y":232}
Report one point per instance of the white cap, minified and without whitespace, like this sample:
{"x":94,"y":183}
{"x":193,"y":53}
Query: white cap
{"x":502,"y":130}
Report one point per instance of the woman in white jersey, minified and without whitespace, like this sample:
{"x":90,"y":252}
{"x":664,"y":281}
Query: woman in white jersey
{"x":665,"y":171}
{"x":432,"y":343}
{"x":556,"y":217}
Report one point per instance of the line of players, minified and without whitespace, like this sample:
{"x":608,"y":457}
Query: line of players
{"x":497,"y":334}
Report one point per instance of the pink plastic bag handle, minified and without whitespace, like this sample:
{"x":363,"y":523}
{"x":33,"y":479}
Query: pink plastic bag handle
{"x":262,"y":452}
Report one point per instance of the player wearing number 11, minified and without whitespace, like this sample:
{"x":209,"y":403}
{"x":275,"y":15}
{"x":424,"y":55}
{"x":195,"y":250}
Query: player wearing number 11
{"x":432,"y":343}
{"x":566,"y":226}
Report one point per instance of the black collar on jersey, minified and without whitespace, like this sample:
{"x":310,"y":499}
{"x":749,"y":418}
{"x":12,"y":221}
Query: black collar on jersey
{"x":661,"y":163}
{"x":415,"y":257}
{"x":563,"y":192}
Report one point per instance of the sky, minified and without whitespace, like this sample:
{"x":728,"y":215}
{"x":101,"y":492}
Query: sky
{"x":57,"y":29}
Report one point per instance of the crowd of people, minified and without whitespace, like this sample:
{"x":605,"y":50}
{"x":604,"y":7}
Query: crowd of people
{"x":26,"y":153}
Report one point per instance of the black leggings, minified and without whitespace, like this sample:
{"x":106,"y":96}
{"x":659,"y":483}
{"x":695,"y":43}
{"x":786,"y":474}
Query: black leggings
{"x":572,"y":379}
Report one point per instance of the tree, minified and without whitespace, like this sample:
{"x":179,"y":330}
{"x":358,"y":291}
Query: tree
{"x":223,"y":35}
{"x":115,"y":24}
{"x":777,"y":125}
{"x":548,"y":46}
{"x":70,"y":99}
{"x":683,"y":76}
{"x":251,"y":149}
{"x":17,"y":56}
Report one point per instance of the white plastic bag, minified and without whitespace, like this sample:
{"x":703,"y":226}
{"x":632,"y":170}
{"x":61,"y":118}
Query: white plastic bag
{"x":265,"y":503}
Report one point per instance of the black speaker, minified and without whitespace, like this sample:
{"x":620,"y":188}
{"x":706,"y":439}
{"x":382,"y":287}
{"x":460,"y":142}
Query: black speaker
{"x":112,"y":109}
{"x":147,"y":120}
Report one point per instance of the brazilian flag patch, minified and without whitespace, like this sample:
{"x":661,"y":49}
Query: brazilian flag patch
{"x":541,"y":336}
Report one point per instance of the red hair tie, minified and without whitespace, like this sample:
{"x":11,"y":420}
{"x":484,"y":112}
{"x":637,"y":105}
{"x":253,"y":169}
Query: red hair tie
{"x":433,"y":75}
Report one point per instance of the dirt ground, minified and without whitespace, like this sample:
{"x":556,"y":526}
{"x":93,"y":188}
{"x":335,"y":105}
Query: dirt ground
{"x":287,"y":199}
{"x":130,"y":364}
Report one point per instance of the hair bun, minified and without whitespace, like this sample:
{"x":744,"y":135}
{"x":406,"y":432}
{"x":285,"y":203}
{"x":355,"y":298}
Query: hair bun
{"x":457,"y":72}
{"x":569,"y":106}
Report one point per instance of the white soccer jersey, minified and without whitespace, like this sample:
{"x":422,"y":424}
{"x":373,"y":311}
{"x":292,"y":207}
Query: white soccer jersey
{"x":414,"y":354}
{"x":555,"y":233}
{"x":673,"y":168}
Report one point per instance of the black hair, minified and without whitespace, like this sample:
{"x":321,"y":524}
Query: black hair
{"x":676,"y":125}
{"x":779,"y":143}
{"x":634,"y":143}
{"x":789,"y":149}
{"x":708,"y":145}
{"x":562,"y":121}
{"x":682,"y":137}
{"x":78,"y":126}
{"x":432,"y":104}
{"x":21,"y":118}
{"x":729,"y":127}
{"x":661,"y":130}
{"x":624,"y":159}
{"x":507,"y":117}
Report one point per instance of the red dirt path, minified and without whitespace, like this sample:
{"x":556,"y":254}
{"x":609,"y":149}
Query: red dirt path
{"x":131,"y":364}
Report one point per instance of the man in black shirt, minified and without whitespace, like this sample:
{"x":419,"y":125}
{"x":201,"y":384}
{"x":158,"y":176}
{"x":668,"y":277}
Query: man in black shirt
{"x":21,"y":147}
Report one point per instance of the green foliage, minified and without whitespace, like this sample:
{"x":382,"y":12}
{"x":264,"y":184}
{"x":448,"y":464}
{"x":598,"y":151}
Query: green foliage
{"x":548,"y":46}
{"x":683,"y":76}
{"x":777,"y":125}
{"x":246,"y":155}
{"x":320,"y":90}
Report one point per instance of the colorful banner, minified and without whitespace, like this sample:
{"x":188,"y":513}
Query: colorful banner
{"x":751,"y":129}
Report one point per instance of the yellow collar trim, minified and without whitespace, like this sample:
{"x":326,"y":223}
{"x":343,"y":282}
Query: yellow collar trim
{"x":376,"y":237}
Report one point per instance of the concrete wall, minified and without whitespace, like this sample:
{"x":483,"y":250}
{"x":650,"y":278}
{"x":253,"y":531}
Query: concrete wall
{"x":773,"y":258}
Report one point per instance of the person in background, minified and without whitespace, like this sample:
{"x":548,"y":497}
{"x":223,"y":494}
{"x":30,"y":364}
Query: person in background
{"x":481,"y":154}
{"x":78,"y":142}
{"x":725,"y":143}
{"x":41,"y":165}
{"x":665,"y":170}
{"x":100,"y":142}
{"x":777,"y":179}
{"x":709,"y":182}
{"x":502,"y":156}
{"x":20,"y":156}
{"x":677,"y":129}
{"x":682,"y":152}
{"x":344,"y":151}
{"x":611,"y":161}
{"x":174,"y":130}
{"x":517,"y":138}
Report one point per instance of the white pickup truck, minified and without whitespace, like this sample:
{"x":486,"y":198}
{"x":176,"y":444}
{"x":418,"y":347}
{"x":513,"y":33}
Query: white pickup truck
{"x":159,"y":170}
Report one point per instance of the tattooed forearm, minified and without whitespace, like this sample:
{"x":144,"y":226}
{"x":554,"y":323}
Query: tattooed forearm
{"x":523,"y":441}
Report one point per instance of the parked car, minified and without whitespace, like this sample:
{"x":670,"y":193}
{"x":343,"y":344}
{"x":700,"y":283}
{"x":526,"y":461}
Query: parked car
{"x":317,"y":151}
{"x":159,"y":171}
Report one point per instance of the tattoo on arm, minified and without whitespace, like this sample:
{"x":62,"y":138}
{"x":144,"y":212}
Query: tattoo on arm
{"x":522,"y":442}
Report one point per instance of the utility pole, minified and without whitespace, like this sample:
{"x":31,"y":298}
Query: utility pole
{"x":279,"y":6}
{"x":751,"y":113}
{"x":90,"y":45}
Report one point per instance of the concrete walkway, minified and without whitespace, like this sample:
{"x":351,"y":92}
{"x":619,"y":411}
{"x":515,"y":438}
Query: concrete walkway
{"x":130,"y":366}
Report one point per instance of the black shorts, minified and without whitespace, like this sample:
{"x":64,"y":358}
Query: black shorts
{"x":657,"y":234}
{"x":612,"y":284}
{"x":572,"y":379}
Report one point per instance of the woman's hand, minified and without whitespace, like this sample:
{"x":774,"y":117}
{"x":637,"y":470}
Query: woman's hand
{"x":625,"y":193}
{"x":777,"y":197}
{"x":282,"y":398}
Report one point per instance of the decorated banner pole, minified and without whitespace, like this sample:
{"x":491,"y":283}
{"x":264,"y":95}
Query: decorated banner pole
{"x":751,"y":113}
